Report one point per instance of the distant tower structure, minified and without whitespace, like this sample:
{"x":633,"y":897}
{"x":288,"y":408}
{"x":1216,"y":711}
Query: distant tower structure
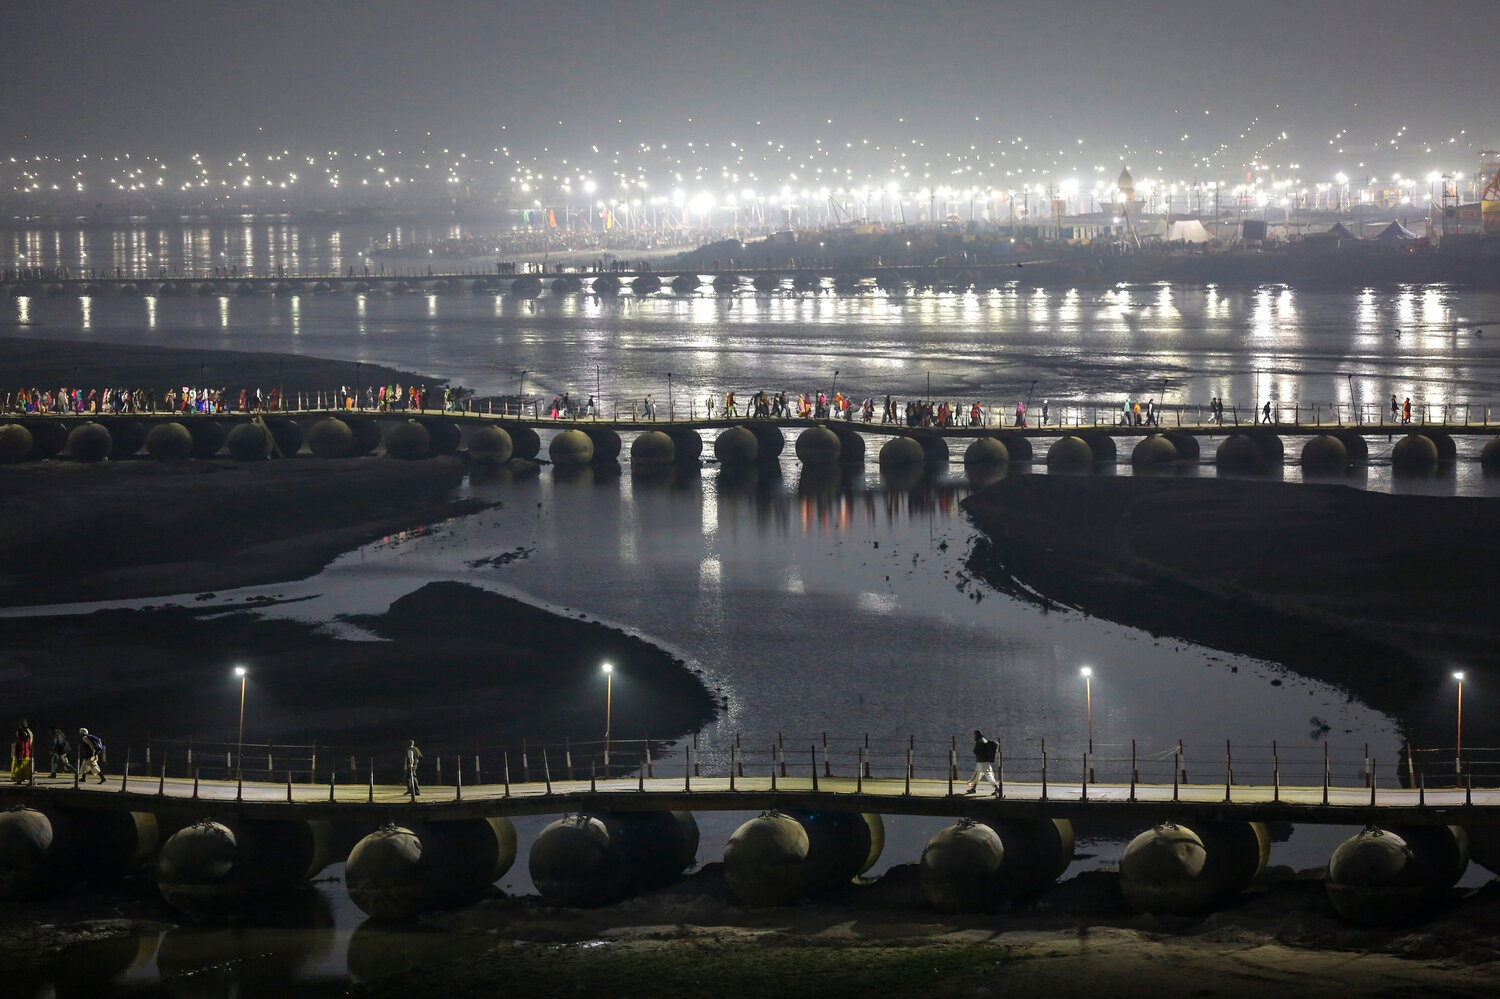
{"x":1126,"y":185}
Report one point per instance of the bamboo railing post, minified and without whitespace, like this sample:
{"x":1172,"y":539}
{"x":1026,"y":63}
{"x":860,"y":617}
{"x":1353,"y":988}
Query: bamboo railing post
{"x":1044,"y":769}
{"x":1275,"y":771}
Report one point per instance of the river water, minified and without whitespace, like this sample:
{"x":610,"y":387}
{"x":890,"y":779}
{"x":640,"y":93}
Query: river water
{"x":840,"y":605}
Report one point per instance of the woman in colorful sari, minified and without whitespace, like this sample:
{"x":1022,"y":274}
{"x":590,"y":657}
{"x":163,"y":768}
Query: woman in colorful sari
{"x":20,"y":754}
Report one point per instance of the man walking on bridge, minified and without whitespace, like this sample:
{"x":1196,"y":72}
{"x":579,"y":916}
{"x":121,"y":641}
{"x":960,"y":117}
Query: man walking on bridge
{"x":413,"y":754}
{"x":90,"y":755}
{"x":985,"y":751}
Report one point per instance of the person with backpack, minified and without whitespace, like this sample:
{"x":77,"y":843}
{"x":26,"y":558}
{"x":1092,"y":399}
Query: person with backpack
{"x":60,"y":748}
{"x":985,"y":752}
{"x":90,"y":755}
{"x":409,"y":765}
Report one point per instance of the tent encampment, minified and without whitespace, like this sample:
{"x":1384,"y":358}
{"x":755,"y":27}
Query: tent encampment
{"x":1188,"y":231}
{"x":1396,"y":233}
{"x":1338,"y":231}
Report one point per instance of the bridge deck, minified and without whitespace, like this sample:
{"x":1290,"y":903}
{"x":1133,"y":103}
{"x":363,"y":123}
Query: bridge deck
{"x":1483,"y":423}
{"x":918,"y":796}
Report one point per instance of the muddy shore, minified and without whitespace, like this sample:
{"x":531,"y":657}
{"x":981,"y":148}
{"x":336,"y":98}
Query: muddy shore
{"x":874,"y":938}
{"x":1384,"y":595}
{"x":47,"y":364}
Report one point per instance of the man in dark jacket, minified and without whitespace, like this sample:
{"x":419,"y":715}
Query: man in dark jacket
{"x":985,"y":751}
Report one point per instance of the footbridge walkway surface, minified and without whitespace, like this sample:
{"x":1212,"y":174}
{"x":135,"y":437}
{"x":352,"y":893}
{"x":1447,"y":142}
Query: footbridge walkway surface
{"x":1139,"y":802}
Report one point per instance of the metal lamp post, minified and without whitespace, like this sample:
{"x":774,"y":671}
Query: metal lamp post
{"x":239,"y":757}
{"x":609,"y":693}
{"x":1458,"y":751}
{"x":1088,"y":696}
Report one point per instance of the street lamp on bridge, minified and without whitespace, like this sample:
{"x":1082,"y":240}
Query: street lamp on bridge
{"x":1458,"y":751}
{"x":609,"y":693}
{"x":1088,"y":699}
{"x":239,"y":752}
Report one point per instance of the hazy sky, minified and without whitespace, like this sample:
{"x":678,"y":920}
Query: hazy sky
{"x":169,"y":76}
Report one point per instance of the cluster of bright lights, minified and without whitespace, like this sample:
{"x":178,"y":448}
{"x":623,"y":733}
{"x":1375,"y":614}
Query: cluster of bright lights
{"x":1256,"y":162}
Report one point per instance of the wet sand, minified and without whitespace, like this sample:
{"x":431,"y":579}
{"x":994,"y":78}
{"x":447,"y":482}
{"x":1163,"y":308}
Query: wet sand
{"x":140,"y":528}
{"x":882,"y":939}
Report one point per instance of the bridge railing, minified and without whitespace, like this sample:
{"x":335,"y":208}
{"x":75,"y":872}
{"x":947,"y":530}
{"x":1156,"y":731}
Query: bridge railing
{"x":1032,"y":761}
{"x":994,"y":416}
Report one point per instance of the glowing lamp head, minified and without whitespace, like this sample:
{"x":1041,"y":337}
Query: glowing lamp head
{"x":1086,"y":672}
{"x":1459,"y":676}
{"x":608,"y":668}
{"x":239,"y":671}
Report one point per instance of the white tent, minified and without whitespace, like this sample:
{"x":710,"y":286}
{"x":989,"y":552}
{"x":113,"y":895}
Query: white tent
{"x":1148,"y":228}
{"x":1188,"y":230}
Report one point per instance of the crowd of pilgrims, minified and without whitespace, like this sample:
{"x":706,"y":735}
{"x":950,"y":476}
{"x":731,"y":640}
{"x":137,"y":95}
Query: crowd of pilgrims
{"x":822,"y":406}
{"x":187,"y":400}
{"x":115,"y":401}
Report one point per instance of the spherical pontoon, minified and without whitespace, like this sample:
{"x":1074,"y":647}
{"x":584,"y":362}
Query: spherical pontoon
{"x":397,"y":872}
{"x":687,"y":445}
{"x":818,"y":445}
{"x":736,"y":446}
{"x":985,"y":451}
{"x":90,"y":442}
{"x":764,"y":860}
{"x":1070,"y":454}
{"x":959,"y":868}
{"x":408,"y":441}
{"x":164,"y":442}
{"x":769,"y":441}
{"x":1153,"y":451}
{"x":16,"y":444}
{"x":490,"y":446}
{"x":330,"y":438}
{"x":1324,"y":453}
{"x":652,"y":448}
{"x":1414,"y":453}
{"x":249,"y":442}
{"x":901,"y":451}
{"x":571,"y":447}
